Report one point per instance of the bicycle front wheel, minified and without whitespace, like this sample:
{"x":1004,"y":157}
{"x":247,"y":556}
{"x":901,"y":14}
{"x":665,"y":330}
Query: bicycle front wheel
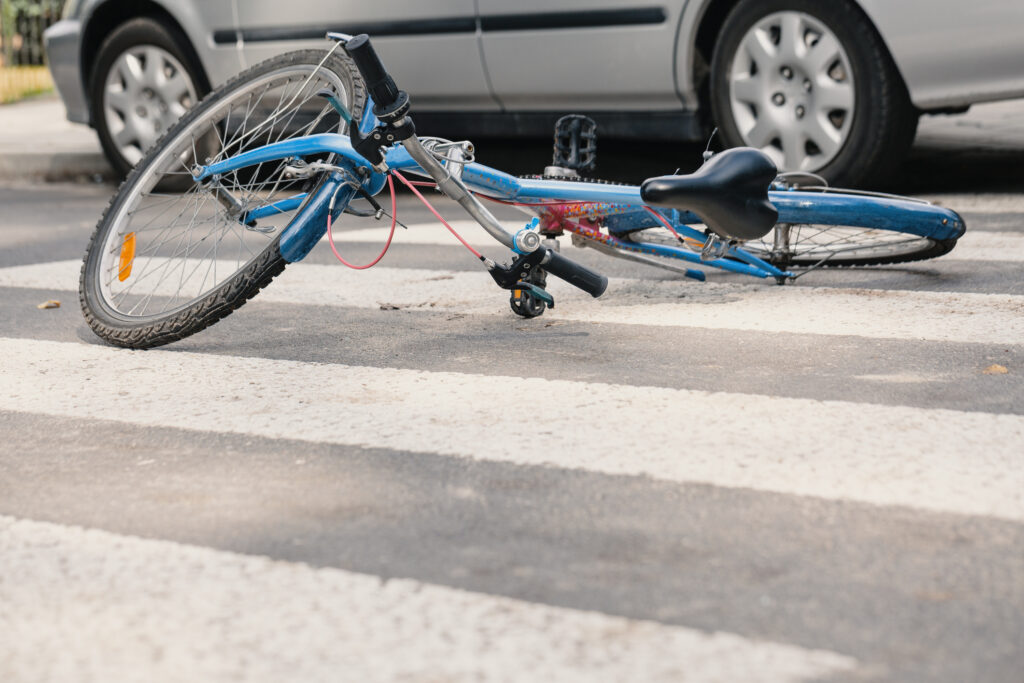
{"x":171,"y":256}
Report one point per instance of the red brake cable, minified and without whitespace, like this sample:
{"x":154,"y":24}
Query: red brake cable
{"x":394,"y":221}
{"x":423,"y":199}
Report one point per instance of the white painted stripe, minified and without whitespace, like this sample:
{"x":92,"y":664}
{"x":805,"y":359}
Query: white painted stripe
{"x":979,"y":202}
{"x":761,"y":307}
{"x":424,"y":233}
{"x":88,"y":605}
{"x":979,"y":245}
{"x":975,"y":245}
{"x":941,"y":460}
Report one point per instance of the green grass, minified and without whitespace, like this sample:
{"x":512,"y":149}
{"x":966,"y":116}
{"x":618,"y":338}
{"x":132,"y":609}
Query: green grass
{"x":18,"y":82}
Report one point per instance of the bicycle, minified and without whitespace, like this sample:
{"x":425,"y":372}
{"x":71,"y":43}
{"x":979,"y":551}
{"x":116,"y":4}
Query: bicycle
{"x":251,"y":178}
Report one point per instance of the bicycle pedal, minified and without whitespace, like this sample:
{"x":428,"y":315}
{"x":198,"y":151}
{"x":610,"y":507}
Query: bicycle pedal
{"x":575,"y":143}
{"x":523,"y":289}
{"x":714,"y":247}
{"x":265,"y":229}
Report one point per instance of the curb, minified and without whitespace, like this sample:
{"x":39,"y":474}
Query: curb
{"x":55,"y":167}
{"x":39,"y":144}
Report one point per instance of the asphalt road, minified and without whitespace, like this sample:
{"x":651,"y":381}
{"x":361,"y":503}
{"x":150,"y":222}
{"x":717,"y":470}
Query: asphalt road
{"x":388,"y":476}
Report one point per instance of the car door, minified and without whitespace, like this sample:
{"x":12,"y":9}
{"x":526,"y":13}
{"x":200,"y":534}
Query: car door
{"x":581,"y":55}
{"x":430,"y":47}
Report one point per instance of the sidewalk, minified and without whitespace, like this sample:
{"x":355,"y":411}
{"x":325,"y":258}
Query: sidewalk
{"x":38,"y":143}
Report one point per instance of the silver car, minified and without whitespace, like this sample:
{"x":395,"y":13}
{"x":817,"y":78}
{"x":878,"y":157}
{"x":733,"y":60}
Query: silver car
{"x":833,"y":87}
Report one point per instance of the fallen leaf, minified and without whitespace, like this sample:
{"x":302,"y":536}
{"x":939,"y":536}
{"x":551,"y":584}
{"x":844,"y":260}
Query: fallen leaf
{"x":50,"y":303}
{"x":995,"y":369}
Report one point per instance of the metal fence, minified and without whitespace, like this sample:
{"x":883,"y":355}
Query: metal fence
{"x":22,"y":23}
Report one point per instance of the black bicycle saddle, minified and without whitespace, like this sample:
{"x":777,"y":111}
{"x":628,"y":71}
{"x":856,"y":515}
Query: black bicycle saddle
{"x":729,"y":192}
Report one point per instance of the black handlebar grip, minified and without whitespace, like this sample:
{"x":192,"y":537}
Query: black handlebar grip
{"x":590,"y":282}
{"x":381,"y":86}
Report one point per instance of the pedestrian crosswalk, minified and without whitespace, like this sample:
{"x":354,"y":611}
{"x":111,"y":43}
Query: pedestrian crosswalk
{"x":940,"y":460}
{"x":916,"y":315}
{"x":975,"y":245}
{"x":188,"y":611}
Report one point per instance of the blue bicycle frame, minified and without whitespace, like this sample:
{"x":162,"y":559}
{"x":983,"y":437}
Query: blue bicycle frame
{"x":622,"y":203}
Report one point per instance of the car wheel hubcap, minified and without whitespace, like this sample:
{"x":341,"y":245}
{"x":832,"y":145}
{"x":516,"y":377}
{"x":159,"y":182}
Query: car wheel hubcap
{"x":791,"y":91}
{"x":146,"y":91}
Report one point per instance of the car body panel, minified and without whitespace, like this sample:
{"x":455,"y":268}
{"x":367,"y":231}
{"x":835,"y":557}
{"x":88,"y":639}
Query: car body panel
{"x":689,"y":68}
{"x":441,"y":68}
{"x":64,"y":46}
{"x":952,"y":53}
{"x":540,"y":59}
{"x":199,"y":20}
{"x":469,"y":56}
{"x":63,"y":55}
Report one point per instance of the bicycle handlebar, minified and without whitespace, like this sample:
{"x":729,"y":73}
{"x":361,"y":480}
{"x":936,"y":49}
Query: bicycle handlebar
{"x":391,"y":105}
{"x":380,"y":84}
{"x":590,"y":282}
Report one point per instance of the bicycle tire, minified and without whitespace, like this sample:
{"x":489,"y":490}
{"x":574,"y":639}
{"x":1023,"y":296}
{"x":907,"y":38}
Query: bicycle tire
{"x":230,"y":120}
{"x":846,"y":228}
{"x":877,"y":247}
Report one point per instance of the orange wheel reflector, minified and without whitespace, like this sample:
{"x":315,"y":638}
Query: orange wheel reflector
{"x":127,"y":257}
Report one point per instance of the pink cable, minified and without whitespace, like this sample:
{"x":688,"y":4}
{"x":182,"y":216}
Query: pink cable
{"x":664,"y":222}
{"x":394,"y":221}
{"x":423,"y":199}
{"x":556,"y":204}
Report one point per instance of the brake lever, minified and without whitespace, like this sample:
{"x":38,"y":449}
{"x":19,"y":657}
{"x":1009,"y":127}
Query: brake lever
{"x":508,"y":277}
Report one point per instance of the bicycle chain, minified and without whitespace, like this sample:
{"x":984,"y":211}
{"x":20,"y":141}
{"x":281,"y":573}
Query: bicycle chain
{"x":573,"y":179}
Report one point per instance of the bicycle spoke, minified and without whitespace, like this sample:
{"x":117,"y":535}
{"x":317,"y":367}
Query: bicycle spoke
{"x":185,"y":237}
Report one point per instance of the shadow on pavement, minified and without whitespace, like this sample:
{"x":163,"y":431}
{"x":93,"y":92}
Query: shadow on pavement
{"x":981,"y":151}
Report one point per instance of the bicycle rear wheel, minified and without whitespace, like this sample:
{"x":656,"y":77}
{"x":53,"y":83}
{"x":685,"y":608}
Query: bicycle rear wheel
{"x":799,"y":246}
{"x":171,"y":256}
{"x":843,"y":228}
{"x":803,"y":246}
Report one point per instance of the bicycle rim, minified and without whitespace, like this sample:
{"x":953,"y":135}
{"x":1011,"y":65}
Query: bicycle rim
{"x":822,"y":245}
{"x":805,"y":245}
{"x":171,"y":242}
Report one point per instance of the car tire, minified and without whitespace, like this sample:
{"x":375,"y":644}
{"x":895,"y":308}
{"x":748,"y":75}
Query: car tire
{"x":812,"y":85}
{"x":144,"y":79}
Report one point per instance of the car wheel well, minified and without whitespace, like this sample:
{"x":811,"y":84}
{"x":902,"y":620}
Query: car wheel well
{"x":715,"y":13}
{"x":710,"y":24}
{"x":114,"y":13}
